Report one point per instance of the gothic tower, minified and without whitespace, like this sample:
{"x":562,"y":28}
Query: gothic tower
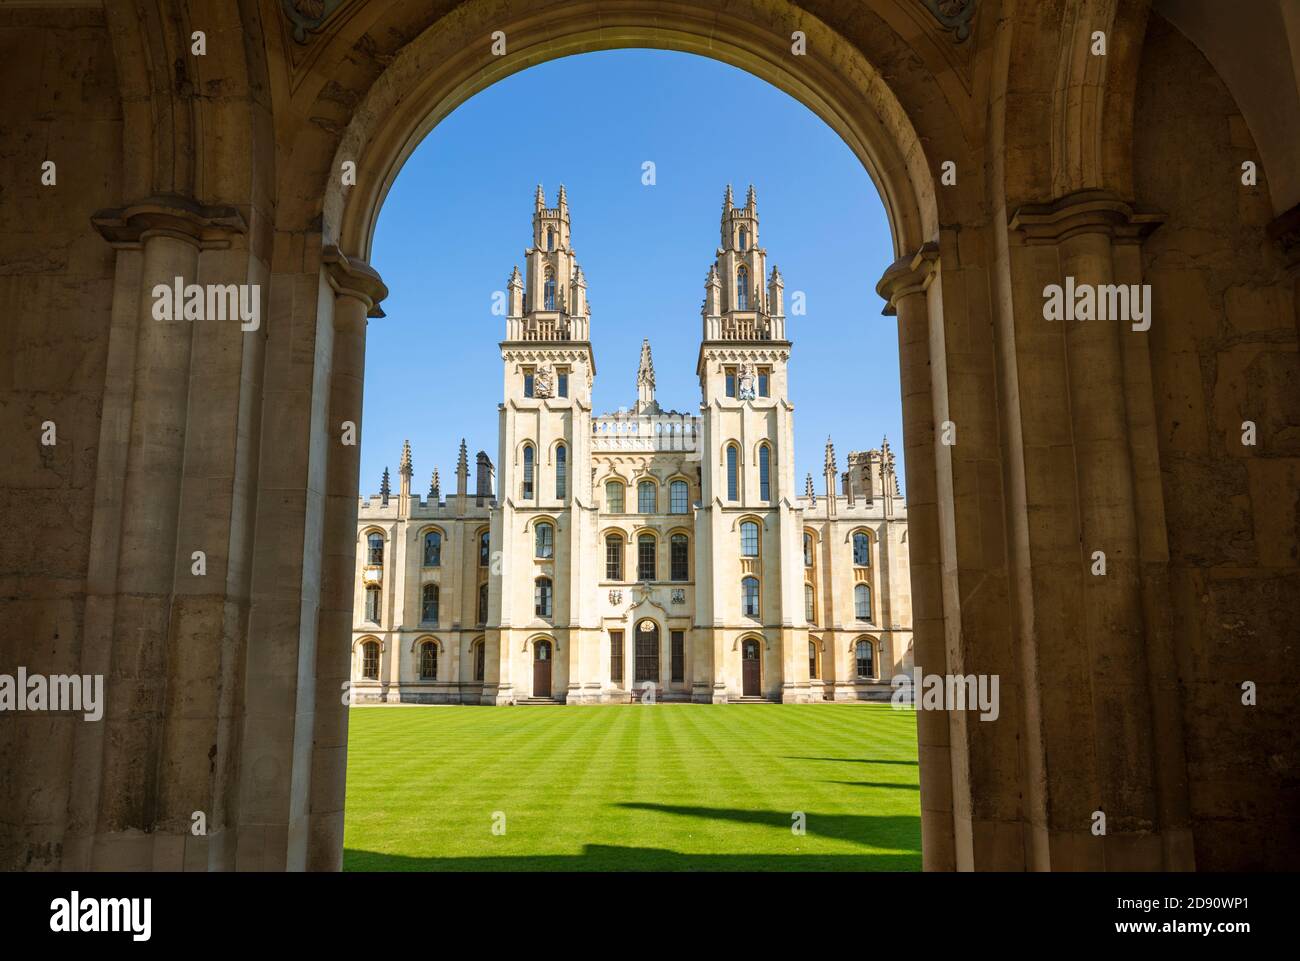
{"x":747,"y":466}
{"x":544,"y":522}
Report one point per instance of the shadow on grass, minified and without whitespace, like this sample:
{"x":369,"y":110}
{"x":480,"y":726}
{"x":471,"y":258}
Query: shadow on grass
{"x":849,"y":760}
{"x":877,"y":831}
{"x":884,"y":784}
{"x":600,"y":857}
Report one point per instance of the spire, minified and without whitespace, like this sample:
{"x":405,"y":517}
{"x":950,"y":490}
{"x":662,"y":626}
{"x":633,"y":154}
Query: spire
{"x":515,"y":280}
{"x":384,"y":488}
{"x":830,"y":478}
{"x":645,"y":381}
{"x":404,"y":468}
{"x":728,"y":201}
{"x":751,"y":198}
{"x":540,"y":200}
{"x":435,"y":487}
{"x":462,"y":471}
{"x":564,"y":198}
{"x":646,"y":373}
{"x":808,"y":491}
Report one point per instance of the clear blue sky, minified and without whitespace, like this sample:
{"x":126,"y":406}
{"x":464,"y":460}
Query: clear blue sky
{"x":459,"y":217}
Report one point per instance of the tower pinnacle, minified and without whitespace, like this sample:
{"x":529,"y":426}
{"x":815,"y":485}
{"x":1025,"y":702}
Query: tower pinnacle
{"x":645,"y":380}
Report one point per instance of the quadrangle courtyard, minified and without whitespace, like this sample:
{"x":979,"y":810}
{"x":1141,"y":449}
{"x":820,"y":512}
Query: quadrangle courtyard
{"x":667,"y":787}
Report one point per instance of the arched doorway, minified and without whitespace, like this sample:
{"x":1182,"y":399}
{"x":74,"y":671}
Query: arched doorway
{"x":751,"y":667}
{"x":542,"y":669}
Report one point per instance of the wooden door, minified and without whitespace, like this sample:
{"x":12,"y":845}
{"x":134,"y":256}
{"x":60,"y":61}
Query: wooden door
{"x":750,"y":663}
{"x":542,"y":669}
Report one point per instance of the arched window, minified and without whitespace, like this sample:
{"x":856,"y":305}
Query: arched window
{"x":645,"y":557}
{"x":809,"y":604}
{"x":749,"y":539}
{"x":742,"y":288}
{"x":645,"y":497}
{"x":376,"y":543}
{"x":865,"y":655}
{"x":807,"y":550}
{"x":544,"y":540}
{"x":812,"y":660}
{"x":432,"y":549}
{"x":647,"y":652}
{"x":529,"y":457}
{"x":482,"y":603}
{"x":428,"y":661}
{"x":733,"y":472}
{"x":550,"y":239}
{"x":370,"y":660}
{"x":742,"y":239}
{"x":548,"y":291}
{"x":542,"y":597}
{"x":861,"y":549}
{"x":678,"y":497}
{"x":613,"y":558}
{"x":561,"y":471}
{"x":372,"y":605}
{"x":862,"y":602}
{"x":764,"y":473}
{"x":614,"y":497}
{"x":749,"y":596}
{"x":484,"y":548}
{"x":429,"y":604}
{"x":480,"y":659}
{"x":679,"y":557}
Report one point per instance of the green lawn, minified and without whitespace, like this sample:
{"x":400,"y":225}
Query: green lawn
{"x":668,"y":787}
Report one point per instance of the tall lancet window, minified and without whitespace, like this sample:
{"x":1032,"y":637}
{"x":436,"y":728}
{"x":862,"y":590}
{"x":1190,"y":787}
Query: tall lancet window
{"x":742,"y":242}
{"x":742,"y":289}
{"x":561,"y":471}
{"x":548,"y":291}
{"x":550,"y":239}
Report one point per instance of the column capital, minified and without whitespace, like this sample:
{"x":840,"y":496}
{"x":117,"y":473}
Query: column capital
{"x":908,"y":275}
{"x":1084,"y":212}
{"x":354,"y":278}
{"x":184,"y":218}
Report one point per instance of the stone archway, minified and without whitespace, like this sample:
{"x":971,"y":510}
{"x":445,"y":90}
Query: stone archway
{"x":1026,"y":445}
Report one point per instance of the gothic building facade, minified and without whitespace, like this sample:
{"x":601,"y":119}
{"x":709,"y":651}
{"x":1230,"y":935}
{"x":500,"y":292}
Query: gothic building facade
{"x":640,"y":553}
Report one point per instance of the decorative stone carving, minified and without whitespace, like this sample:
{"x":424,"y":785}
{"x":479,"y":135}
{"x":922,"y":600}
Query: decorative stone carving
{"x":954,"y":15}
{"x":308,"y":15}
{"x":679,"y":595}
{"x":747,"y":377}
{"x":616,"y":597}
{"x":543,"y":381}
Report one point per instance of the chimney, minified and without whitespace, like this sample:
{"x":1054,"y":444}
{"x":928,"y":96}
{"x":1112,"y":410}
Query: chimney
{"x":483,"y":479}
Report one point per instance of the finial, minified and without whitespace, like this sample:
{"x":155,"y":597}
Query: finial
{"x":564,"y":197}
{"x":384,"y":488}
{"x":808,"y":491}
{"x":727,"y":199}
{"x":646,"y":372}
{"x":830,"y":454}
{"x":405,"y":466}
{"x":515,"y":280}
{"x":462,"y":463}
{"x":435,"y":486}
{"x":541,"y":197}
{"x":751,"y":199}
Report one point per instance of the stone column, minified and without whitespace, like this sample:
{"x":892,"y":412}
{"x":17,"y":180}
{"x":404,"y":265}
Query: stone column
{"x":140,"y":777}
{"x":1111,"y":659}
{"x":904,"y":288}
{"x":357,"y":292}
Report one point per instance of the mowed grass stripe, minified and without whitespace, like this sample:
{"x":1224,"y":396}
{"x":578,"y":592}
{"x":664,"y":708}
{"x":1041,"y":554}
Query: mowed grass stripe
{"x":670,"y":786}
